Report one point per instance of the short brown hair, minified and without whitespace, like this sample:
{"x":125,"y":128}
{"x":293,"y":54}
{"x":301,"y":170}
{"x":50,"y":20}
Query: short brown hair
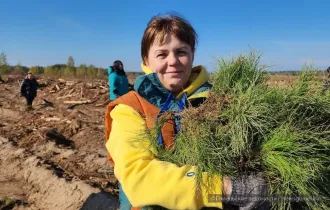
{"x":158,"y":27}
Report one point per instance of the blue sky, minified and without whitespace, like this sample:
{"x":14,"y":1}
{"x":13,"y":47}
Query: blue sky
{"x":288,"y":33}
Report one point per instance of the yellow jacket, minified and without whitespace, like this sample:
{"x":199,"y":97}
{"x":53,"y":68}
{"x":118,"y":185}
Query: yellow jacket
{"x":147,"y":180}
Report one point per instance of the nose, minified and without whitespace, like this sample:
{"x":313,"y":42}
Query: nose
{"x":172,"y":59}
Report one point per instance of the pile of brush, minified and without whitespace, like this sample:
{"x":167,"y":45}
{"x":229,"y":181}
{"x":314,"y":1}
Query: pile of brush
{"x":247,"y":126}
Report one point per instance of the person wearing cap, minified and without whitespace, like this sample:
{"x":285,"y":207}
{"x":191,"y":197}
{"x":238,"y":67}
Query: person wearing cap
{"x":29,"y":89}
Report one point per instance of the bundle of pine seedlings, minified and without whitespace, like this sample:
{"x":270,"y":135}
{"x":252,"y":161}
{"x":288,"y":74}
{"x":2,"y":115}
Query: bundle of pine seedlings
{"x":247,"y":126}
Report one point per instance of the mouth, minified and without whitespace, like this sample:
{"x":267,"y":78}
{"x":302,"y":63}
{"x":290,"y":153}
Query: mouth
{"x":174,"y":72}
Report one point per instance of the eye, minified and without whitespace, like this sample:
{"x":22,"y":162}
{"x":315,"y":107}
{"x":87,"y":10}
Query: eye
{"x":181,"y":52}
{"x":161,"y":55}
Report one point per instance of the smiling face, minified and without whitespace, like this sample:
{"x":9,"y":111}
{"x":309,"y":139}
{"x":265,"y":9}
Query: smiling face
{"x":172,"y":61}
{"x":167,"y":48}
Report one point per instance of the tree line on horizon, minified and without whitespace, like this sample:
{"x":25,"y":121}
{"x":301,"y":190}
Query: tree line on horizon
{"x":69,"y":70}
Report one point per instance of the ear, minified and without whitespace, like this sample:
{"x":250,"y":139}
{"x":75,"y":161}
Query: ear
{"x":145,"y":61}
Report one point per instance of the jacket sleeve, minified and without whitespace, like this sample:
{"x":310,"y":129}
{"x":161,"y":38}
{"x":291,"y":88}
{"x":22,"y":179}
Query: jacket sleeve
{"x":23,"y":88}
{"x":109,"y":70}
{"x":113,"y":83}
{"x":36,"y":83}
{"x":147,"y":180}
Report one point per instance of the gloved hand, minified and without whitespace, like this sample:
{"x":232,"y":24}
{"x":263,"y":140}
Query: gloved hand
{"x":249,"y":192}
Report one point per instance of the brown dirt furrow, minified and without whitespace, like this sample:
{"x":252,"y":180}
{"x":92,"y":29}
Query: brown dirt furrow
{"x":9,"y":114}
{"x":42,"y":185}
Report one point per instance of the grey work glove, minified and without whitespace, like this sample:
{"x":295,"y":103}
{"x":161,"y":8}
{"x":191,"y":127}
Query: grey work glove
{"x":249,"y":192}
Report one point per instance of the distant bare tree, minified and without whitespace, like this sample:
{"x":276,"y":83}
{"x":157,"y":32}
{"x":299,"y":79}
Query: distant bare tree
{"x":70,"y":62}
{"x":70,"y":70}
{"x":3,"y":59}
{"x":18,"y":69}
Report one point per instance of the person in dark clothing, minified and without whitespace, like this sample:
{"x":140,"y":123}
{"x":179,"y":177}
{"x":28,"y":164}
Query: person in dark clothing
{"x":29,"y":89}
{"x":1,"y":80}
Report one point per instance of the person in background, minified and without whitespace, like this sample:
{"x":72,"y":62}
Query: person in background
{"x":169,"y":84}
{"x":1,"y":80}
{"x":328,"y":71}
{"x":118,"y":82}
{"x":326,"y":85}
{"x":29,"y":89}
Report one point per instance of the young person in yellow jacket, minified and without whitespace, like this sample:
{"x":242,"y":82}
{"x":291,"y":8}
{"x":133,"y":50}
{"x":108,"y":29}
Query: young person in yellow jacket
{"x":168,"y":49}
